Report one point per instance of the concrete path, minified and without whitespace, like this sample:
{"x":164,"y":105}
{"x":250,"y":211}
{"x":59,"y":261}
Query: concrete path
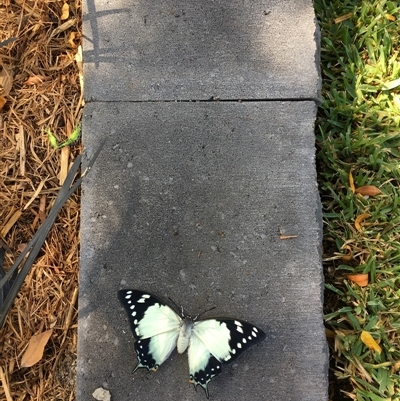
{"x":205,"y":191}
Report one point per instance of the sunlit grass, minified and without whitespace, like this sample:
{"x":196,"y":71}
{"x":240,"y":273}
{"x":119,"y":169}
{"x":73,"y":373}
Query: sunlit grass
{"x":358,"y":136}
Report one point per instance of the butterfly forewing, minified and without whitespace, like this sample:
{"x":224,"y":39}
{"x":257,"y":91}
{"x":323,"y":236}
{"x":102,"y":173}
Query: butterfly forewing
{"x":154,"y":324}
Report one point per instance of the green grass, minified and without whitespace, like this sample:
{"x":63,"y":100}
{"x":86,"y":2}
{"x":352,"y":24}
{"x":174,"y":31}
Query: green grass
{"x":358,"y":136}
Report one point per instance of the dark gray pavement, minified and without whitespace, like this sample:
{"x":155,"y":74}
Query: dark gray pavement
{"x":189,"y":199}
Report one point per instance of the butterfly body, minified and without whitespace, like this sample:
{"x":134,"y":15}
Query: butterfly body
{"x":211,"y":342}
{"x":184,"y":335}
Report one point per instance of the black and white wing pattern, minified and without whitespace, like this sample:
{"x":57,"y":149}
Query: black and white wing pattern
{"x":155,"y":327}
{"x":158,"y":329}
{"x":215,"y":342}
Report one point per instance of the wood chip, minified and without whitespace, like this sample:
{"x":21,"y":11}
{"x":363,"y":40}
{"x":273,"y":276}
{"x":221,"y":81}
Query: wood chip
{"x":6,"y":388}
{"x":13,"y":219}
{"x":22,"y":150}
{"x":64,"y":163}
{"x":35,"y":195}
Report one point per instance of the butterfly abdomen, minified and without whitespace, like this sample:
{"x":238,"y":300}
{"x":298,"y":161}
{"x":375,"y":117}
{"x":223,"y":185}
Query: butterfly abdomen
{"x":184,"y":335}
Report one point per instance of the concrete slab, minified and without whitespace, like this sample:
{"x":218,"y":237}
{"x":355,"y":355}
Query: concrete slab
{"x":188,"y":200}
{"x":192,"y":50}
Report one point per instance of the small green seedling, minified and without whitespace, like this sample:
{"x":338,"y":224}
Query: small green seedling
{"x":72,"y":138}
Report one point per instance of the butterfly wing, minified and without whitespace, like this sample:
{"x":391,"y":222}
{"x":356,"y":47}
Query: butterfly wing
{"x":215,"y":342}
{"x":155,"y":326}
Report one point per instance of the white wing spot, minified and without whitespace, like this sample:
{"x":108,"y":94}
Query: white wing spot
{"x":244,"y":341}
{"x":132,"y":307}
{"x":129,"y":302}
{"x":218,"y":367}
{"x":227,"y":358}
{"x":253,"y":334}
{"x":233,"y":351}
{"x":239,"y":345}
{"x":133,"y":313}
{"x":249,"y":337}
{"x":212,"y":369}
{"x":135,"y":321}
{"x":239,"y":329}
{"x":128,"y":296}
{"x":238,"y":323}
{"x":255,"y":329}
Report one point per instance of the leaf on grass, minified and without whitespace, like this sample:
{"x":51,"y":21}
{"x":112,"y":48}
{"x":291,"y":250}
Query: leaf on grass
{"x":329,"y":333}
{"x":351,"y":182}
{"x":369,"y":341}
{"x":391,"y":84}
{"x":359,"y":220}
{"x":35,"y":80}
{"x":360,"y":279}
{"x":343,"y":18}
{"x":65,"y":12}
{"x":348,"y":256}
{"x":368,"y":190}
{"x":34,"y":352}
{"x":390,"y":17}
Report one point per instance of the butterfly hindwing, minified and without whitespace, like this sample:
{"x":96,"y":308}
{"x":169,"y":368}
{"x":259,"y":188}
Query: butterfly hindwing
{"x":215,"y":342}
{"x":154,"y":324}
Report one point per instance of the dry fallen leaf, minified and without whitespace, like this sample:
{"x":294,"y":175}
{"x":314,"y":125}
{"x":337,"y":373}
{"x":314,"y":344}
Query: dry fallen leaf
{"x":65,"y":12}
{"x":35,"y":80}
{"x":6,"y":79}
{"x":34,"y":352}
{"x":63,"y":27}
{"x":3,"y":101}
{"x":42,"y":208}
{"x":21,"y":247}
{"x":72,"y":37}
{"x":283,"y":237}
{"x":369,"y":190}
{"x":359,"y":221}
{"x":351,"y":182}
{"x":360,"y":279}
{"x":369,"y":341}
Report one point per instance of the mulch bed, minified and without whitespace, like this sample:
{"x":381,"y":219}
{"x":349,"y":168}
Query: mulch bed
{"x":40,"y":90}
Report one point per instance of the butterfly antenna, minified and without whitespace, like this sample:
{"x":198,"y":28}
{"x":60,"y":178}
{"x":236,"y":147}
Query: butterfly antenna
{"x":202,"y":313}
{"x":177,"y":306}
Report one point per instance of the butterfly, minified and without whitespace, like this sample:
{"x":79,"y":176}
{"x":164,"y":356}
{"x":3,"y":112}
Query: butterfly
{"x":158,"y":329}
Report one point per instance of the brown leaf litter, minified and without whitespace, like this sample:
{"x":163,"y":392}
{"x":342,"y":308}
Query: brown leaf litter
{"x":40,"y":88}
